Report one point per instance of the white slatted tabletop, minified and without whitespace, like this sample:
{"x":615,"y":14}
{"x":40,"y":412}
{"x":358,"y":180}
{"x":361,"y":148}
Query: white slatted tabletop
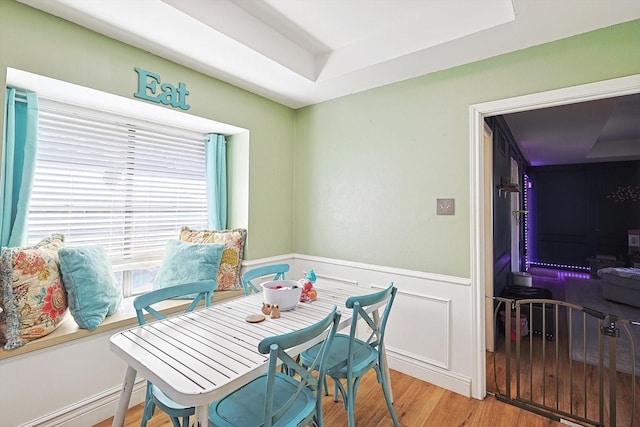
{"x":198,"y":357}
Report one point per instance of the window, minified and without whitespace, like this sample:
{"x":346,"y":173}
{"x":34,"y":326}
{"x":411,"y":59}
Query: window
{"x":128,"y":185}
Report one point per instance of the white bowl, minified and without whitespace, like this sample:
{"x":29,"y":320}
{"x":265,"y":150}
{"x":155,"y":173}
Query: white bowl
{"x":285,"y":293}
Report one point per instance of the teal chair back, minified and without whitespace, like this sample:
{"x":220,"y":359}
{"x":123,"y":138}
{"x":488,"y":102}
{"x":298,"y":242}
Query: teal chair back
{"x":197,"y":292}
{"x":277,"y":270}
{"x":276,"y":398}
{"x":351,"y":357}
{"x":359,"y":304}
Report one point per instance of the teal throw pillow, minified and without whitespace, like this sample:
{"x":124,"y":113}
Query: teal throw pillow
{"x":185,"y":262}
{"x":92,"y":290}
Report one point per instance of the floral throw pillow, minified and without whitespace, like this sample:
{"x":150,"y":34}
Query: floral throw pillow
{"x":228,"y":277}
{"x":32,"y":297}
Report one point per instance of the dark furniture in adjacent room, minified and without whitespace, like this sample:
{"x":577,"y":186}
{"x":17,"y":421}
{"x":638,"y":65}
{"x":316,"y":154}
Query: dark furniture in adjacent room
{"x":603,"y":261}
{"x":536,"y":318}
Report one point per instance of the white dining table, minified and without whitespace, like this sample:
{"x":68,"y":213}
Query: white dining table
{"x":201,"y":356}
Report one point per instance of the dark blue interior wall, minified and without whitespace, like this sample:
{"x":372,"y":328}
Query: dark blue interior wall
{"x":583,"y":210}
{"x":501,"y":212}
{"x":504,"y":152}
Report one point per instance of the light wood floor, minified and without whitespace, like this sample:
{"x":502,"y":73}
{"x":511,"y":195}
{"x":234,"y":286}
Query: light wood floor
{"x":417,"y":403}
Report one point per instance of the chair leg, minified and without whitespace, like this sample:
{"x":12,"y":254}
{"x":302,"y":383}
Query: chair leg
{"x":149,"y":407}
{"x":318,"y":420}
{"x":339,"y":388}
{"x":350,"y":400}
{"x":387,"y":396}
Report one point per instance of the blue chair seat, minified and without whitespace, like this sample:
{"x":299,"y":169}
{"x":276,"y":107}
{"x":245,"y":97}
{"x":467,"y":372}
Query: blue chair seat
{"x":233,"y":409}
{"x":365,"y":357}
{"x":167,"y":405}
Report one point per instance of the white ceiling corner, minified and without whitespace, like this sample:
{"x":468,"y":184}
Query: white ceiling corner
{"x":302,"y":52}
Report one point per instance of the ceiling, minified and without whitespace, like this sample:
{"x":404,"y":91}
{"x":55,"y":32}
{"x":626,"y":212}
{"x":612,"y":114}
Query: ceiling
{"x":302,"y":52}
{"x":605,"y":130}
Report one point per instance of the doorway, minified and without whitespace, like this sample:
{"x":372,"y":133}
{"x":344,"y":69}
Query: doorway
{"x":481,"y":190}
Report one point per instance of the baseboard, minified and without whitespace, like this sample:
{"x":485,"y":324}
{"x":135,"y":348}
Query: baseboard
{"x":90,"y":411}
{"x":429,"y":373}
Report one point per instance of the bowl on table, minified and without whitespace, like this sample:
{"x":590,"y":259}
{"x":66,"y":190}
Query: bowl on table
{"x":284,"y":293}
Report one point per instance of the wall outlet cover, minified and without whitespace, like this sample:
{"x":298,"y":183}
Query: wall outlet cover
{"x":445,"y":206}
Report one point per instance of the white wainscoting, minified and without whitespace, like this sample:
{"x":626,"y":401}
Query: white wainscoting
{"x":430,"y":327}
{"x":91,"y":410}
{"x":430,"y":318}
{"x":74,"y":384}
{"x":77,"y":384}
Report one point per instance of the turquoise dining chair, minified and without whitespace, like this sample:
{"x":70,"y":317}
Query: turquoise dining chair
{"x":276,"y":398}
{"x":350,"y":357}
{"x":278,"y":270}
{"x":198,"y":291}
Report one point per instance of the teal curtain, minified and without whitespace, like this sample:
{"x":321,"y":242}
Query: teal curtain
{"x":18,"y":153}
{"x":216,"y":165}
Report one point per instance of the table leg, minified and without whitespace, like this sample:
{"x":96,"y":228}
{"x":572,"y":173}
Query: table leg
{"x":387,"y":376}
{"x":125,"y":397}
{"x":202,"y":416}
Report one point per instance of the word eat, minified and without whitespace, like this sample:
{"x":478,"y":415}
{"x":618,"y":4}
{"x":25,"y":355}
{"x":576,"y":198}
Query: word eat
{"x":168,"y":94}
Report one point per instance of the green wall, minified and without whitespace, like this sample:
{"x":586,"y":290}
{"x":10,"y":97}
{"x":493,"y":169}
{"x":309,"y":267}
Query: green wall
{"x":355,"y":178}
{"x":370,"y":166}
{"x":34,"y":41}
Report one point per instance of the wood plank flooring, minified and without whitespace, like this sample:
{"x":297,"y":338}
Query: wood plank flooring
{"x":417,"y":404}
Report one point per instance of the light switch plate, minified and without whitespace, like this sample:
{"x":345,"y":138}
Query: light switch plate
{"x":445,"y":206}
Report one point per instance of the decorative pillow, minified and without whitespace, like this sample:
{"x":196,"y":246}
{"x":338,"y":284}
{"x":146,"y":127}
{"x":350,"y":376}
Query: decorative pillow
{"x":185,"y":262}
{"x":92,"y":289}
{"x":234,"y":240}
{"x":32,"y":297}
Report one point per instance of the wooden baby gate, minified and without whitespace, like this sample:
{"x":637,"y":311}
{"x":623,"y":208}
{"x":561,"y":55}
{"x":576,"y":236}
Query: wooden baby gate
{"x":554,"y":363}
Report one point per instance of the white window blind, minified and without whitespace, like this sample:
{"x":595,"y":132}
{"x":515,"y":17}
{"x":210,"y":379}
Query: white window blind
{"x":124,"y":184}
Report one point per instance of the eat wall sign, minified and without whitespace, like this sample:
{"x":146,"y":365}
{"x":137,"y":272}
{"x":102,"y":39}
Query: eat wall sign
{"x":152,"y":89}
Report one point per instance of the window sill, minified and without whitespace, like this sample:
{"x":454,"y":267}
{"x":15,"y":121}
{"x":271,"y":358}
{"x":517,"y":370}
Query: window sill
{"x":124,"y":317}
